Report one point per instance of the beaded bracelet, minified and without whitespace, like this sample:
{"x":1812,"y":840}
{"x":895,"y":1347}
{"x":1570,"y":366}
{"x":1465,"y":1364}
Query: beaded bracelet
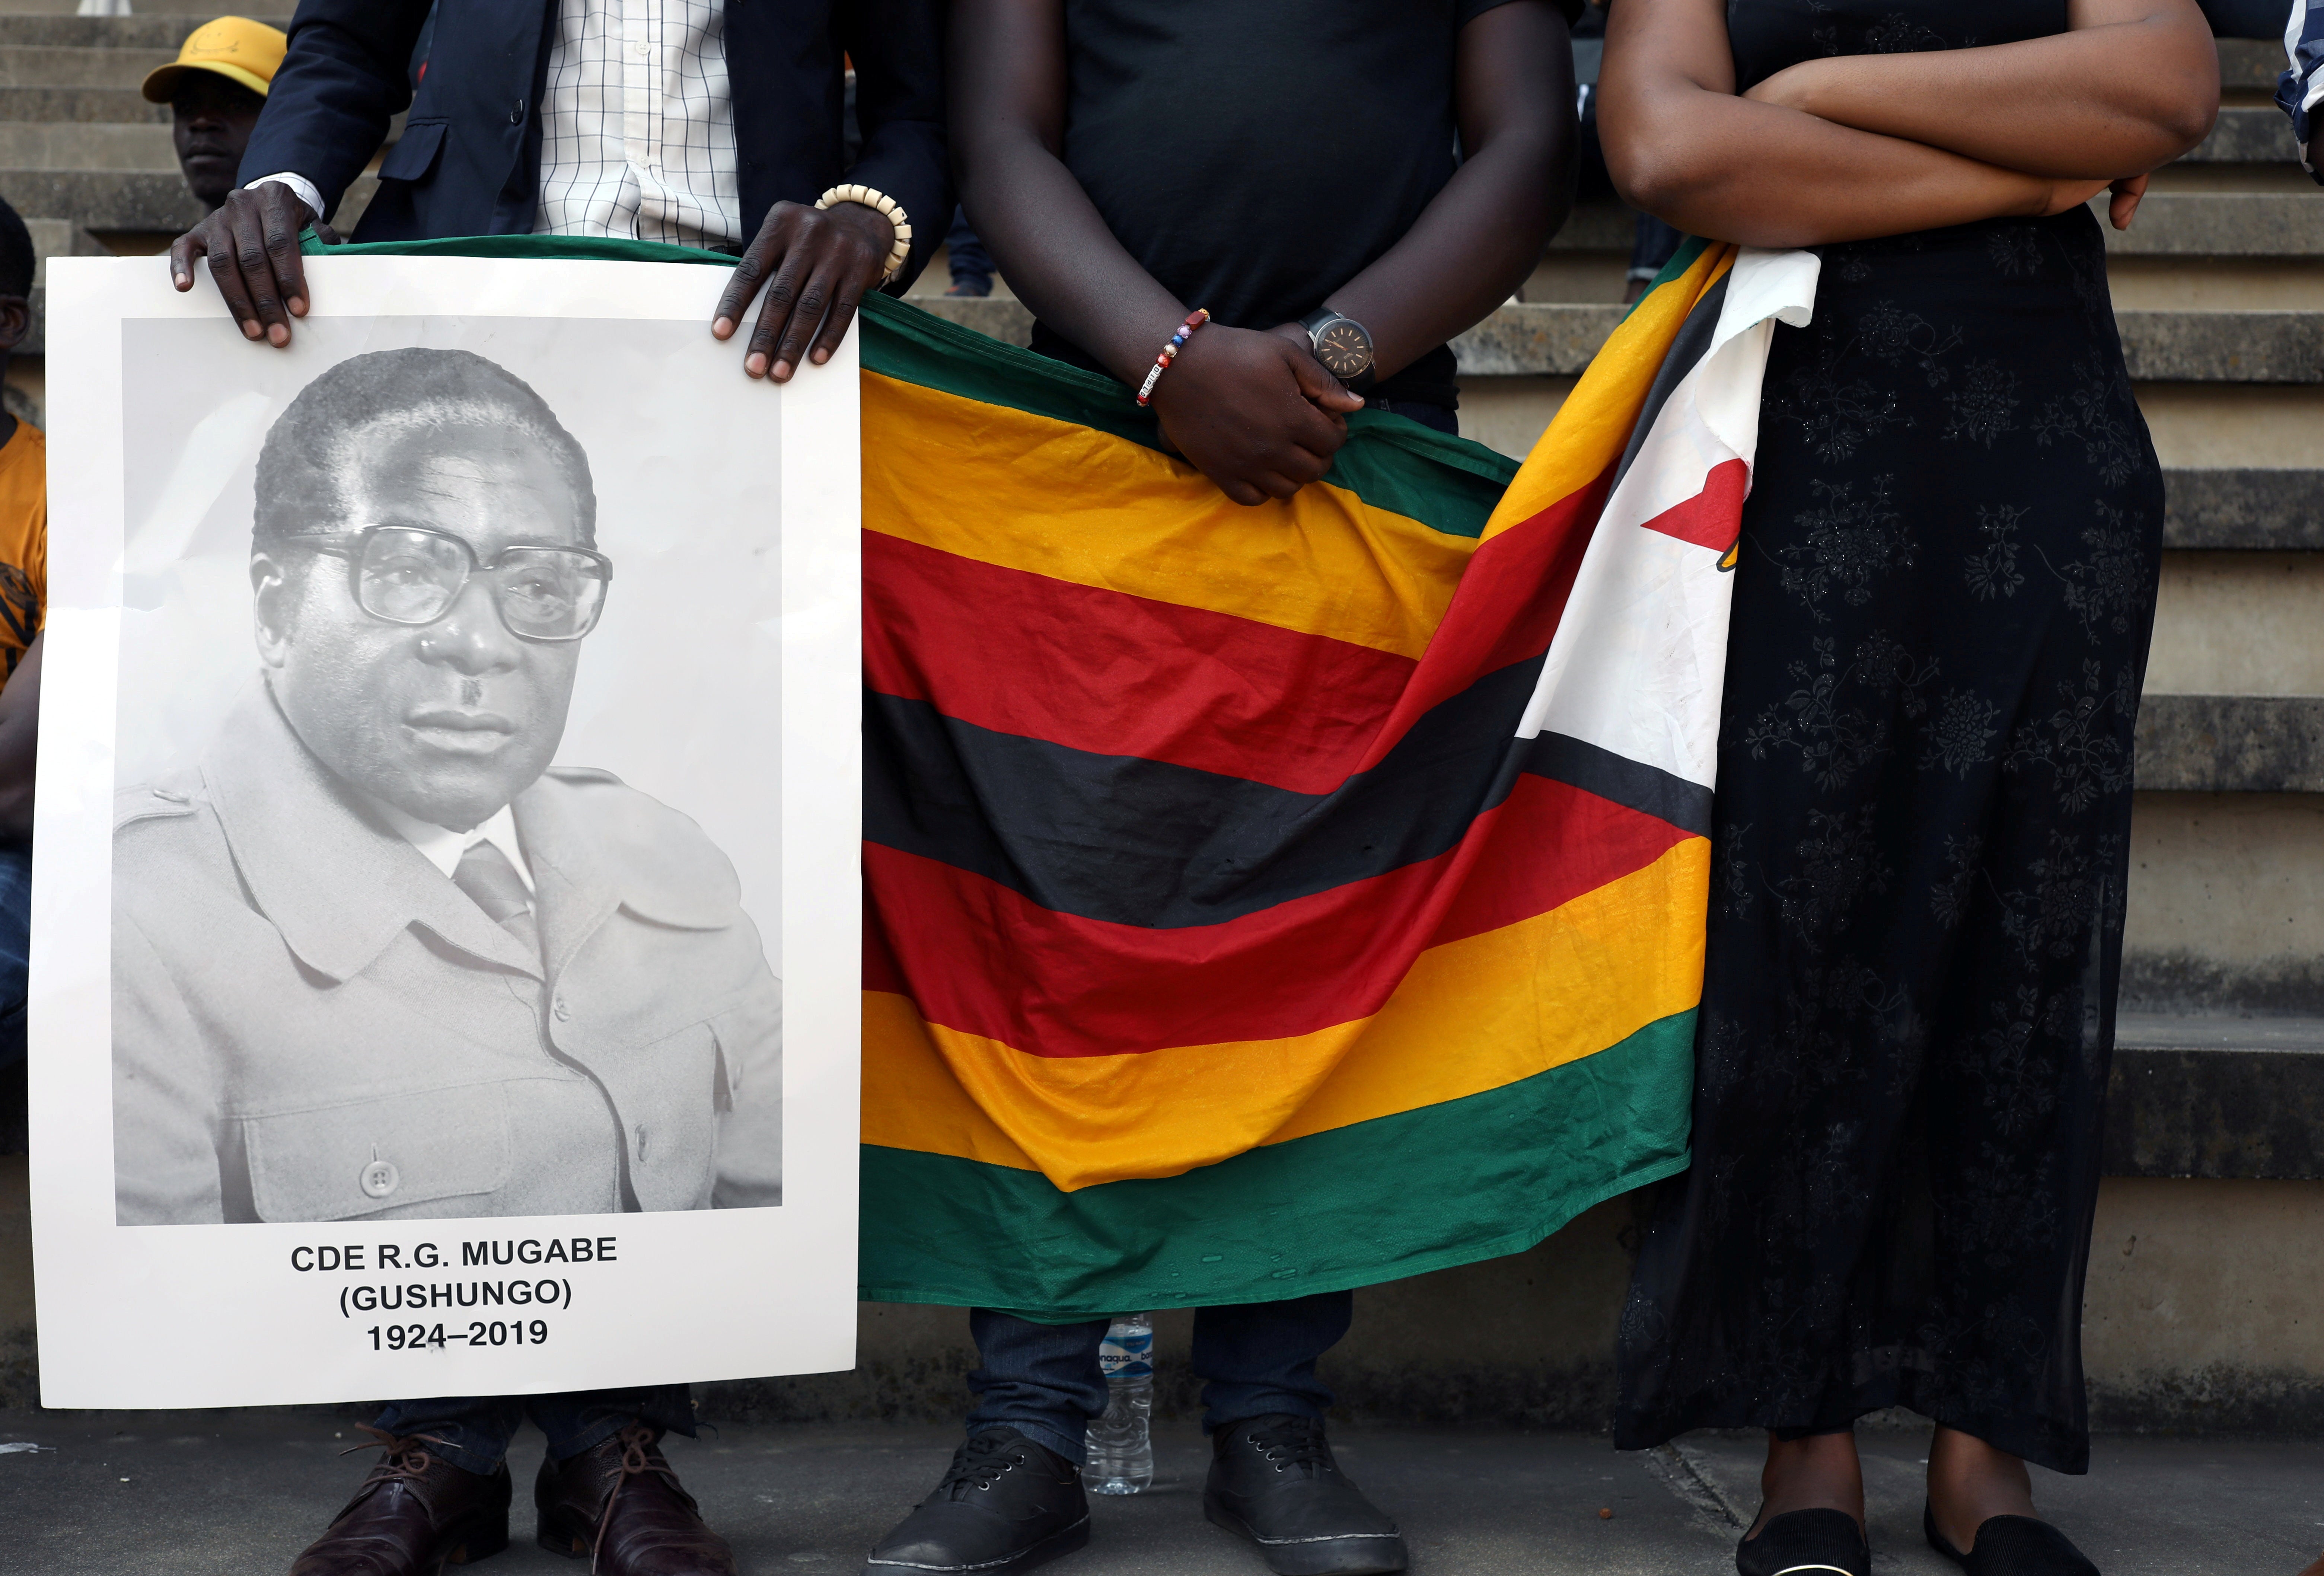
{"x":1194,"y":319}
{"x":887,"y":208}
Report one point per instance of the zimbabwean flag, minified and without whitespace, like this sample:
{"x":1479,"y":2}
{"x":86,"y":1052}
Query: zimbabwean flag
{"x":1268,"y":901}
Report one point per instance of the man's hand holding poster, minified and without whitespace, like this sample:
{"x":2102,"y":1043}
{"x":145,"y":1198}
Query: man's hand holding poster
{"x":447,"y":895}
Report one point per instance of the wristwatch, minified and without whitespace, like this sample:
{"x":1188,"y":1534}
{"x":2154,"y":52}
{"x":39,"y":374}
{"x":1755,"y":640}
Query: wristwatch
{"x":1342,"y":344}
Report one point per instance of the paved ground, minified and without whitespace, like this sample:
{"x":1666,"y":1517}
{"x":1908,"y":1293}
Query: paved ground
{"x":239,"y":1494}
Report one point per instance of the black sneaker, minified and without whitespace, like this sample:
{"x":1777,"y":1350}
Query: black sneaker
{"x":1273,"y":1480}
{"x":1006,"y":1505}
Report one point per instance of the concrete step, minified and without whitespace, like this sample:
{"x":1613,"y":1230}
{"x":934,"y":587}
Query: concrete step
{"x":84,"y":145}
{"x":2244,"y":509}
{"x":2223,"y":347}
{"x":2231,"y":743}
{"x":2224,"y":224}
{"x":2247,"y":134}
{"x":2222,"y":916}
{"x":104,"y":199}
{"x":1534,"y":339}
{"x":2239,"y":623}
{"x":41,"y":65}
{"x":57,"y":105}
{"x":2217,"y":1096}
{"x":160,"y":30}
{"x":2249,"y":65}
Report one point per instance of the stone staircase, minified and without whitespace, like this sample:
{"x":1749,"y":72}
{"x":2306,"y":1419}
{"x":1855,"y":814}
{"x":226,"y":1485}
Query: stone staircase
{"x":83,"y":158}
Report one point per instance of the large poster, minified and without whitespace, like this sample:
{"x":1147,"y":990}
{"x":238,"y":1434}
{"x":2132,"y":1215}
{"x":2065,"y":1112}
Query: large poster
{"x":445,"y":911}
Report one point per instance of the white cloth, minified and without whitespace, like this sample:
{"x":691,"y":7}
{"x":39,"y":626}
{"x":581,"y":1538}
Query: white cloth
{"x":637,"y":126}
{"x":444,"y":846}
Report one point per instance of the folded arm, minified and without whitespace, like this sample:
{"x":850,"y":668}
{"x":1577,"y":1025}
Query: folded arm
{"x":2131,"y":85}
{"x":1683,"y":146}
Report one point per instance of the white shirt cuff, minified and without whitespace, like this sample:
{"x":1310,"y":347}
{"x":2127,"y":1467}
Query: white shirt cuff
{"x":300,"y":188}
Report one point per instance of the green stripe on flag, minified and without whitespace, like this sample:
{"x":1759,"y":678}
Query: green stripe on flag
{"x":1499,"y":1171}
{"x":1390,"y":463}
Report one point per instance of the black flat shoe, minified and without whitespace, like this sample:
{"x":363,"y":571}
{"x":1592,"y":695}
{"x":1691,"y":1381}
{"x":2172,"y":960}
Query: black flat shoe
{"x":1274,"y":1481}
{"x":2012,"y":1545}
{"x":1806,"y":1542}
{"x":1005,"y":1505}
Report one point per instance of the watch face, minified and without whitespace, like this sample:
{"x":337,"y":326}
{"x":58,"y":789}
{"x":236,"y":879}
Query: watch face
{"x":1344,"y":348}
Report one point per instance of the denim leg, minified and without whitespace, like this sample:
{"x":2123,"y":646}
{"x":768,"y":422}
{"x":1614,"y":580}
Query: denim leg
{"x":578,"y":1419}
{"x":15,"y":938}
{"x":969,"y":262}
{"x":1259,"y":1358}
{"x":1043,"y":1380}
{"x":471,"y":1432}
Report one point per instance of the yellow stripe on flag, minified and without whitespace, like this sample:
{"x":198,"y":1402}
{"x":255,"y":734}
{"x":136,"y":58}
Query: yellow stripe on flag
{"x":1024,"y":492}
{"x":1472,"y":1016}
{"x":1592,"y":427}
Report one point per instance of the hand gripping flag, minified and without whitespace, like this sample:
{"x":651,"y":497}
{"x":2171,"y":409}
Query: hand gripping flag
{"x":1268,"y":901}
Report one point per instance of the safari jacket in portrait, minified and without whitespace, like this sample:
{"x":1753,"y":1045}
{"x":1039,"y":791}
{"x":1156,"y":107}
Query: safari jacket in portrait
{"x":311,"y":1023}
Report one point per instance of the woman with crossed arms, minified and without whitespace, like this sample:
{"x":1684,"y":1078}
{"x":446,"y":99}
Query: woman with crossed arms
{"x":1942,"y":599}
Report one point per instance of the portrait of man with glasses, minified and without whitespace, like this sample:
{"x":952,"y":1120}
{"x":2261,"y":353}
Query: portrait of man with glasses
{"x":374,"y":955}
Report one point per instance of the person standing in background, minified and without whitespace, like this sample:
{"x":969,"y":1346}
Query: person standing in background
{"x":23,"y":612}
{"x":214,"y":89}
{"x":1943,"y":590}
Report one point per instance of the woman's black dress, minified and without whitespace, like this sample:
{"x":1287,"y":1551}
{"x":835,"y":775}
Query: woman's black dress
{"x":1941,"y":609}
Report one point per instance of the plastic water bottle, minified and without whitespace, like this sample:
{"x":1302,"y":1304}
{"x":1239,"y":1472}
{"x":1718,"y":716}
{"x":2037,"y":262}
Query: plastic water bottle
{"x":1119,"y":1455}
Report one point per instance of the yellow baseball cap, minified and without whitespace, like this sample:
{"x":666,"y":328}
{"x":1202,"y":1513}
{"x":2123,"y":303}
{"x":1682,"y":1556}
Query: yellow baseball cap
{"x":237,"y":49}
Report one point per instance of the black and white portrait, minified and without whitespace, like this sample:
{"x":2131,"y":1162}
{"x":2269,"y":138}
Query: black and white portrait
{"x":373,"y":951}
{"x":446,"y":891}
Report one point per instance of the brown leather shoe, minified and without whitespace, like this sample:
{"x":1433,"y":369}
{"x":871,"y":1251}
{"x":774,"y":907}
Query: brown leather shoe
{"x":620,"y":1504}
{"x":416,"y":1513}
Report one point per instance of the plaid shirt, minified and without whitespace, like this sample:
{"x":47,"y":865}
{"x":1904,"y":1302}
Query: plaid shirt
{"x":638,"y":125}
{"x":2299,"y":88}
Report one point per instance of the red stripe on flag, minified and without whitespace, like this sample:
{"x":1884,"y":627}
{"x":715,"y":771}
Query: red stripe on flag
{"x":1511,"y":596}
{"x":1712,"y":518}
{"x":1118,"y":675}
{"x":981,"y":957}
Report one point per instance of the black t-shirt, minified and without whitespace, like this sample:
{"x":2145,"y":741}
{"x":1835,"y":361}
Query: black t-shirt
{"x":1255,"y":155}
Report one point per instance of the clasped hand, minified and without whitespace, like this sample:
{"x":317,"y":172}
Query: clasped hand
{"x":1255,"y":411}
{"x":814,"y":266}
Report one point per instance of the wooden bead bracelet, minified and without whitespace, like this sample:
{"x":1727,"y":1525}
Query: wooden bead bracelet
{"x":887,"y":208}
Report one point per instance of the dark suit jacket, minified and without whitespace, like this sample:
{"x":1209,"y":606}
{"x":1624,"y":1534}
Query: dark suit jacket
{"x":468,"y":163}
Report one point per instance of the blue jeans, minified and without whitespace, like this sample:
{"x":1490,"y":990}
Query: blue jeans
{"x":972,"y":265}
{"x":473,"y":1432}
{"x":1254,"y":1358}
{"x":15,"y":938}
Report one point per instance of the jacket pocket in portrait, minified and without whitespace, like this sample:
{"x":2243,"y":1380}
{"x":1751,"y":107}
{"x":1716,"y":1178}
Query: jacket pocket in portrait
{"x":369,"y":1157}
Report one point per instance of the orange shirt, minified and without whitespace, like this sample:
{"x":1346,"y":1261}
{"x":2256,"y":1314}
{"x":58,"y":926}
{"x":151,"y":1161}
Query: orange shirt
{"x":23,"y":541}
